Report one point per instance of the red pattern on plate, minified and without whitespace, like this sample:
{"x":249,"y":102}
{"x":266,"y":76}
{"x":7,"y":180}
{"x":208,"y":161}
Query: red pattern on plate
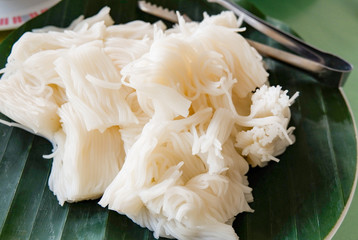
{"x":4,"y":21}
{"x":17,"y":19}
{"x":33,"y":14}
{"x":20,"y":19}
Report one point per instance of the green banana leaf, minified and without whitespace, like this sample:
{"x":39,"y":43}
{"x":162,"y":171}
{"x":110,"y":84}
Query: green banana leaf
{"x":304,"y":196}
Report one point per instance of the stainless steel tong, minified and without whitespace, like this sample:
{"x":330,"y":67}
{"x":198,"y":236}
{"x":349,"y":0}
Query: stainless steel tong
{"x":327,"y":68}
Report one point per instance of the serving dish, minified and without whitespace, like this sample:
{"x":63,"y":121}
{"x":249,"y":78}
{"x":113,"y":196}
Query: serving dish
{"x":14,"y":13}
{"x":304,"y":196}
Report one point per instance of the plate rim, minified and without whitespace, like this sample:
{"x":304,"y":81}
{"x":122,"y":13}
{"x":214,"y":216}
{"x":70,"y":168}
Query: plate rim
{"x":16,"y":19}
{"x":348,"y":204}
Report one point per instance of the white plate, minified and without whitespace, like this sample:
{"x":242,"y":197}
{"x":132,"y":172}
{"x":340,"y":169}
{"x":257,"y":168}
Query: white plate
{"x":14,"y":13}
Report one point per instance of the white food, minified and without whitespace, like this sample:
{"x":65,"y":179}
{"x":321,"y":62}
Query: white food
{"x":163,"y":123}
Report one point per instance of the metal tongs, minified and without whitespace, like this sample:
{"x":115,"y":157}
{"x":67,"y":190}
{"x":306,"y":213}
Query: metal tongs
{"x":327,"y":68}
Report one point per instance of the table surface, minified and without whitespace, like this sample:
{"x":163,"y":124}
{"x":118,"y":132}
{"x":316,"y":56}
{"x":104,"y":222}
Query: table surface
{"x":331,"y":25}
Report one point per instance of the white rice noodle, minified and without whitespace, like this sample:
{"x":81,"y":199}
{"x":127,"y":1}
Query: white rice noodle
{"x":263,"y":142}
{"x":32,"y":105}
{"x":85,"y":162}
{"x":162,"y":178}
{"x":163,"y":123}
{"x":93,"y":85}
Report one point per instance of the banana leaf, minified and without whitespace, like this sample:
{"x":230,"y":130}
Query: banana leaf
{"x":304,"y":196}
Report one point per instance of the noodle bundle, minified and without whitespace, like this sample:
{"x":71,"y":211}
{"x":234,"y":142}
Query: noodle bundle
{"x":162,"y":124}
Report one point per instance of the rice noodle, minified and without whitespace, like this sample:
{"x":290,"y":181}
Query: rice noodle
{"x":162,"y":123}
